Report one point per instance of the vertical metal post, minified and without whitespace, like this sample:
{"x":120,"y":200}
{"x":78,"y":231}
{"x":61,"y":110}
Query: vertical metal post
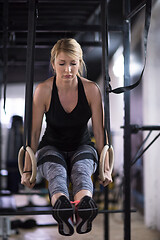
{"x":127,"y":132}
{"x":29,"y":71}
{"x":5,"y":67}
{"x":106,"y":79}
{"x":5,"y":49}
{"x":0,"y":142}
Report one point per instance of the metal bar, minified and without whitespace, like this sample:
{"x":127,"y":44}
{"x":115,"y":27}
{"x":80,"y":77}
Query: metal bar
{"x":135,"y":128}
{"x":63,"y":28}
{"x":58,"y":1}
{"x":24,"y":193}
{"x":145,"y":128}
{"x":48,"y":211}
{"x":106,"y":80}
{"x":127,"y":132}
{"x":0,"y":141}
{"x":29,"y":72}
{"x":5,"y":42}
{"x":58,"y":28}
{"x":115,"y":211}
{"x":5,"y":67}
{"x":146,"y":149}
{"x":49,"y":45}
{"x":136,"y":10}
{"x":23,"y":63}
{"x":70,"y":1}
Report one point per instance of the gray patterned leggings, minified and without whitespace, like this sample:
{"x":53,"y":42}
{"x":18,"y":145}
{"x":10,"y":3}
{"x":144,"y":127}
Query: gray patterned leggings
{"x":58,"y":167}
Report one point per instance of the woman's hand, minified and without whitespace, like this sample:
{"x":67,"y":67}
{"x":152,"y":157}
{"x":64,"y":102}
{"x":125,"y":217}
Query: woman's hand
{"x":107,"y":172}
{"x":25,"y":180}
{"x":108,"y":178}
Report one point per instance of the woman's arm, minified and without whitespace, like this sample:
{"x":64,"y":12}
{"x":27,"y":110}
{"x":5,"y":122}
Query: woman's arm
{"x":38,"y":109}
{"x":97,"y":119}
{"x":98,"y":126}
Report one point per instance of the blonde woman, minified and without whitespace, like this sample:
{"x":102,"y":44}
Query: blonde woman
{"x":66,"y":152}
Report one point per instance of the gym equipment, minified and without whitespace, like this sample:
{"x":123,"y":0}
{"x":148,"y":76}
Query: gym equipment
{"x":14,"y":142}
{"x":127,"y":134}
{"x":29,"y":90}
{"x":8,"y":208}
{"x":33,"y":160}
{"x":102,"y":161}
{"x":128,"y":14}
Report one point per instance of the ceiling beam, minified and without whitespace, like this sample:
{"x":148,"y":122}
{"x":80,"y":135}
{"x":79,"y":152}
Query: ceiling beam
{"x":57,"y":28}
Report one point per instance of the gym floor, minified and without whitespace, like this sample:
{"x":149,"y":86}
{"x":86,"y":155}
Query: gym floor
{"x":138,"y":229}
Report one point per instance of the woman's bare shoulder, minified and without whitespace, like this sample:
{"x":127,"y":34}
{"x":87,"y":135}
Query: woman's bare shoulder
{"x":44,"y":88}
{"x":91,"y":88}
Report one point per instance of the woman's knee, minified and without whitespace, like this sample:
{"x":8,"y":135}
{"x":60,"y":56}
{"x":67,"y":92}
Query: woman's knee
{"x":83,"y":167}
{"x":81,"y":176}
{"x":57,"y":178}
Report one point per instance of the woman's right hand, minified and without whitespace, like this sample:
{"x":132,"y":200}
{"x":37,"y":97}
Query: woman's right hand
{"x":25,"y":180}
{"x":108,"y":178}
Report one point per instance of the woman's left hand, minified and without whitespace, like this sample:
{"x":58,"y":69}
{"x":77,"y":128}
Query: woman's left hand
{"x":108,"y":178}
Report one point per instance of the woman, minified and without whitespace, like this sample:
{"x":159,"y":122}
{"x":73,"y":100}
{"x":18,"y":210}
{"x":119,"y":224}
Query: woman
{"x":65,"y":151}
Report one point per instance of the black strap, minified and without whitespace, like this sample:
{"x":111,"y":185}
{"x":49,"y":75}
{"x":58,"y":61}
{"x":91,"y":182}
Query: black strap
{"x":82,"y":156}
{"x":146,"y":30}
{"x":53,"y":159}
{"x":105,"y":71}
{"x":29,"y":72}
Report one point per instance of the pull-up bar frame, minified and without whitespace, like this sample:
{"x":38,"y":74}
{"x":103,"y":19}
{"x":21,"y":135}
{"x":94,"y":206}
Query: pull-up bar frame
{"x":127,"y":130}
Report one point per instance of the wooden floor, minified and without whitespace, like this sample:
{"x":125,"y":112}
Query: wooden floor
{"x":138,"y":229}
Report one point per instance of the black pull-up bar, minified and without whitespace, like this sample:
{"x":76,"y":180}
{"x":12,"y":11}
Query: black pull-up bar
{"x":135,"y":128}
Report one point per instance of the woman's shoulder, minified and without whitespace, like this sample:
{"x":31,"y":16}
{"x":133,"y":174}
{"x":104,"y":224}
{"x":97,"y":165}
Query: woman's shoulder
{"x":90,"y":86}
{"x":44,"y":88}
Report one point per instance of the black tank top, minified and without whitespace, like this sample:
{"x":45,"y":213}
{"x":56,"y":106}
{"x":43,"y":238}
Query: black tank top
{"x":67,"y":131}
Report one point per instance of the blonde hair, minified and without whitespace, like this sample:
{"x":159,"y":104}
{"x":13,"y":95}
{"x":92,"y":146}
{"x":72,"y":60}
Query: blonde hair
{"x":72,"y":48}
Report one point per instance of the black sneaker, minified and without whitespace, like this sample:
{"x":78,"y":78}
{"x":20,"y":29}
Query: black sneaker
{"x":63,"y":214}
{"x":85,"y":212}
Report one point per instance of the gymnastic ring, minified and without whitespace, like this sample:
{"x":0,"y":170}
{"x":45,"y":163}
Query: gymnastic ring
{"x":33,"y":161}
{"x":102,"y":161}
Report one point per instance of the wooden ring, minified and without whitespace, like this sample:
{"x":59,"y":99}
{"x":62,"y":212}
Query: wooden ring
{"x":102,"y":161}
{"x":33,"y":161}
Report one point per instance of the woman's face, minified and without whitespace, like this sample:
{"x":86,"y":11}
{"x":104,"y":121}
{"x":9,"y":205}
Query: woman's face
{"x":66,"y":67}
